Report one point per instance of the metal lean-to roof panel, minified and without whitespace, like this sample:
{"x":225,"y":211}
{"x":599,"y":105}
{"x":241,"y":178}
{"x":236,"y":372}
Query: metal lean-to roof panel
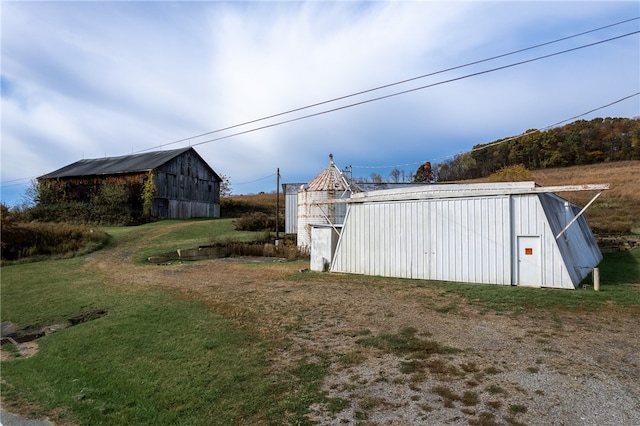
{"x":577,"y":246}
{"x":117,"y":165}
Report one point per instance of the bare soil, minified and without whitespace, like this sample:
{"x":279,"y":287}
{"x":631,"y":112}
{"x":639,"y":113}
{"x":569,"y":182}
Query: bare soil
{"x":556,"y":367}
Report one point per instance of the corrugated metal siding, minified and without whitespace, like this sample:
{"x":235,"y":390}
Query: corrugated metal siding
{"x":291,"y":199}
{"x":531,"y":219}
{"x":452,"y":239}
{"x":291,"y":207}
{"x":328,"y":184}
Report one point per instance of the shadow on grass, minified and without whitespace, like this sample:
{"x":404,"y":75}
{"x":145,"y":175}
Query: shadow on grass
{"x":620,"y":268}
{"x":619,"y":279}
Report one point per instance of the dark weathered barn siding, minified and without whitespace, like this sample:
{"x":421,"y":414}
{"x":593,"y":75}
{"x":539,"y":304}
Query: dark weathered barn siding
{"x":185,"y":185}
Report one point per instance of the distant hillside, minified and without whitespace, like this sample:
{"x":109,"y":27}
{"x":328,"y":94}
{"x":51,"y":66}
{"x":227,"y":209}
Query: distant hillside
{"x":601,"y":140}
{"x":617,"y":210}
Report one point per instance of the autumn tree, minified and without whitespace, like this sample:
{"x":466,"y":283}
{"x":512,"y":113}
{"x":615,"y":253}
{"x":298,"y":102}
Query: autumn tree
{"x":424,"y":174}
{"x":516,"y":173}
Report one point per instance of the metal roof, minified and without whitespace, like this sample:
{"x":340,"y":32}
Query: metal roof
{"x":463,"y":190}
{"x":330,"y":179}
{"x":117,"y":165}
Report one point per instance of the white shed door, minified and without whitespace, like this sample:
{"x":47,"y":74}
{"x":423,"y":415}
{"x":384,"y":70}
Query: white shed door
{"x":529,"y":261}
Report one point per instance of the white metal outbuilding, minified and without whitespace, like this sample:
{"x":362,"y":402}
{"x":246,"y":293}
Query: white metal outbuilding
{"x":499,"y":233}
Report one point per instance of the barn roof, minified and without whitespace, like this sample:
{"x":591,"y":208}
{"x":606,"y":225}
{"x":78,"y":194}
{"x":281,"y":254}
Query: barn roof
{"x":118,"y":165}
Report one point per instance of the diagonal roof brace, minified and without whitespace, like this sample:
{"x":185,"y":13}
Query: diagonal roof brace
{"x":326,"y":216}
{"x":578,"y":215}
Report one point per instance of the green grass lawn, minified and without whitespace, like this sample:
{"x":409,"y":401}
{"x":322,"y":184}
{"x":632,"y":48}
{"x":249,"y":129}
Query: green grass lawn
{"x":181,"y":235}
{"x":156,"y":358}
{"x":160,"y":358}
{"x":617,"y":271}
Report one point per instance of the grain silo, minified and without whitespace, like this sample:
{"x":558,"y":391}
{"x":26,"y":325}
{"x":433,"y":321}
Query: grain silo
{"x":329,"y":184}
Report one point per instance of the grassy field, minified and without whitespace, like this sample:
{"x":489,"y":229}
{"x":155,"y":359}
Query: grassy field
{"x":157,"y":357}
{"x":243,"y":342}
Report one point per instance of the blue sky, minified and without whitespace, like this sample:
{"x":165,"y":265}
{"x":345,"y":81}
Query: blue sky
{"x":94,"y":79}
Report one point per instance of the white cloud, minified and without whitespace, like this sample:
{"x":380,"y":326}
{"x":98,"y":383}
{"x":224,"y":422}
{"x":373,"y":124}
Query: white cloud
{"x":95,"y":78}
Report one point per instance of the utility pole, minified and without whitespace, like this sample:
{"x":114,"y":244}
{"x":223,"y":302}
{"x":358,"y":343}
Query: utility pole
{"x":277,"y":206}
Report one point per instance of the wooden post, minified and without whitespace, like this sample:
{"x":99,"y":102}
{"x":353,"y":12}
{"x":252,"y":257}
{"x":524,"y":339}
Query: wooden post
{"x":596,"y":279}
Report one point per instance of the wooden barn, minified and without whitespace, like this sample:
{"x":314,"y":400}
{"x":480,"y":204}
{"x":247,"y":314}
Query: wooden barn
{"x":184,"y":185}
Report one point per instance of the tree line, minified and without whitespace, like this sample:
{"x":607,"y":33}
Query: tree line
{"x":579,"y":143}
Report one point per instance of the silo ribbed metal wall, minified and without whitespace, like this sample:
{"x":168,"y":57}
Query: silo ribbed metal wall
{"x":467,"y":240}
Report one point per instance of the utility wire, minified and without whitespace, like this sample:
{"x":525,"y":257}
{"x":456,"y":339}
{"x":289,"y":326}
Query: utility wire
{"x":396,"y":83}
{"x":256,"y":180}
{"x":416,"y":89}
{"x":555,"y":124}
{"x":15,"y":180}
{"x":503,"y":140}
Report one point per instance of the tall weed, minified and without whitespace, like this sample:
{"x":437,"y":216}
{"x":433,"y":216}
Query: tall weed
{"x":49,"y":239}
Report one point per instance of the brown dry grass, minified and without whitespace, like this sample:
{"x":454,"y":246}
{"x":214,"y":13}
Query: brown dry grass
{"x":617,"y":210}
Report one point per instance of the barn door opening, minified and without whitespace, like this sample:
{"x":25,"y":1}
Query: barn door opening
{"x":529,"y":261}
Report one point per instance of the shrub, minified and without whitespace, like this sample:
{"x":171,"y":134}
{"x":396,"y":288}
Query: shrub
{"x":110,"y":204}
{"x":49,"y":239}
{"x":517,"y":173}
{"x":257,"y":221}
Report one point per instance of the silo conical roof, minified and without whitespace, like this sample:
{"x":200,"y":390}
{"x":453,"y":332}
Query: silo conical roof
{"x":330,"y":179}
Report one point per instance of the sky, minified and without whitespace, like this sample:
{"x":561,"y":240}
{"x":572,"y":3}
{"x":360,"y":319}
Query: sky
{"x":88,"y":79}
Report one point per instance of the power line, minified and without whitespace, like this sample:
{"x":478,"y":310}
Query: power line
{"x":396,"y":83}
{"x":397,"y":93}
{"x":256,"y":180}
{"x":555,"y":124}
{"x":16,"y":180}
{"x":416,"y":89}
{"x":504,"y":140}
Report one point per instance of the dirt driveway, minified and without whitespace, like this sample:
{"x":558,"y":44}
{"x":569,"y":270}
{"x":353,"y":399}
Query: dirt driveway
{"x":401,"y":352}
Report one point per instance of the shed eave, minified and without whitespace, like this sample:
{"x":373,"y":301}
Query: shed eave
{"x":461,"y":191}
